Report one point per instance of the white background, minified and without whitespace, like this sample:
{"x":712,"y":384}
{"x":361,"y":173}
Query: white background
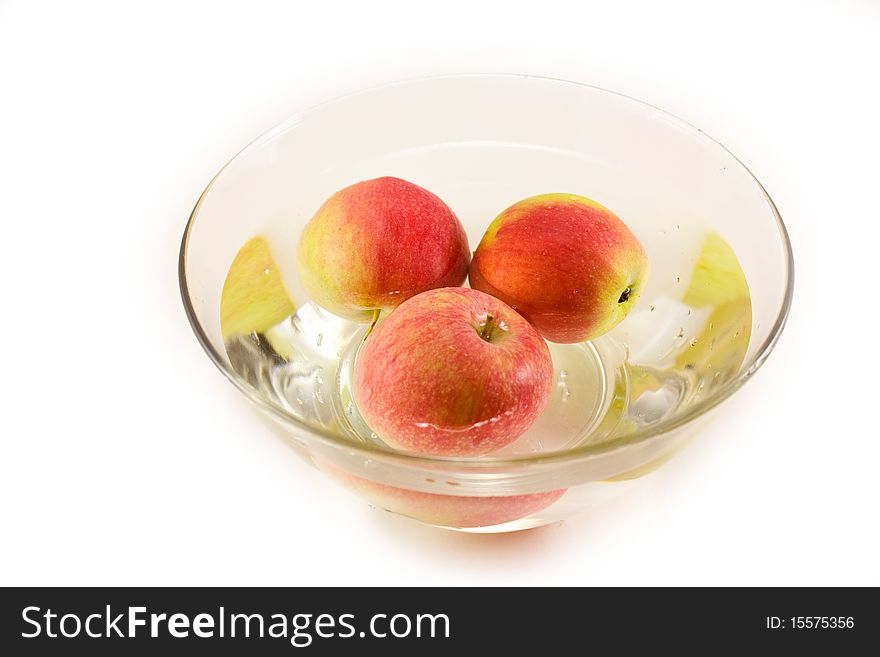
{"x":128,"y":459}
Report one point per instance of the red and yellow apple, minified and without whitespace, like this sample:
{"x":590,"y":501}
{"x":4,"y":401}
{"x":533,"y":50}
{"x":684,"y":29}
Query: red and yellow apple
{"x":564,"y":262}
{"x":375,"y":244}
{"x":452,"y":372}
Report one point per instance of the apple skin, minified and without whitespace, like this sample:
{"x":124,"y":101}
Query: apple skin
{"x":253,"y":298}
{"x":564,"y":262}
{"x":459,"y":511}
{"x":378,"y":242}
{"x":427,"y":381}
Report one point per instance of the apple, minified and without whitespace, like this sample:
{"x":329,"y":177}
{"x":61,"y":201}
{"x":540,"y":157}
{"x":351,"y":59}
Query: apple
{"x":375,"y":244}
{"x":564,"y":262}
{"x":452,"y":372}
{"x":461,"y":511}
{"x":718,"y":283}
{"x":253,"y":299}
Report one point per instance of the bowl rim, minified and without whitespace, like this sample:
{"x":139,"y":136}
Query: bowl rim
{"x":566,"y":456}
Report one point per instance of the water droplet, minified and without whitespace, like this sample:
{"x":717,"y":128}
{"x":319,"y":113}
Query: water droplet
{"x":349,"y":408}
{"x":690,"y":310}
{"x":563,"y":375}
{"x":711,"y":325}
{"x":651,"y":307}
{"x":678,"y":279}
{"x":320,"y":339}
{"x":266,"y":271}
{"x":680,"y":333}
{"x":373,"y":435}
{"x":693,"y":342}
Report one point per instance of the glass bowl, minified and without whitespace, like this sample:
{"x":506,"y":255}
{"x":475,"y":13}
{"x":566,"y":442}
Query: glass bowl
{"x":714,"y":306}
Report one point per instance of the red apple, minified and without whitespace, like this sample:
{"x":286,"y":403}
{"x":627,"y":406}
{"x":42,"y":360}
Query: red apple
{"x":377,"y":243}
{"x":452,"y":372}
{"x":462,"y":511}
{"x":567,"y":264}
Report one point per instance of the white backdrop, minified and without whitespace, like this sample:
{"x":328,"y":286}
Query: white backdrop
{"x":128,"y":459}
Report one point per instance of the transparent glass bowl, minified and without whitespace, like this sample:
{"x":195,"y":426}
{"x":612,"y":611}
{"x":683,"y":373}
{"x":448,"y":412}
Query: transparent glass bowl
{"x":716,"y":302}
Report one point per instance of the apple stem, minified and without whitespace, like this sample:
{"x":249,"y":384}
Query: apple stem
{"x":372,"y":322}
{"x":487,"y":327}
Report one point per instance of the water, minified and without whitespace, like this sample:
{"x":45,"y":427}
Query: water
{"x":673,"y":350}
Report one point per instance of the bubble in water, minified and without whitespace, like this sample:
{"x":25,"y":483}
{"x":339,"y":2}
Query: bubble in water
{"x":319,"y":388}
{"x":693,"y":342}
{"x":266,"y":271}
{"x":678,"y":279}
{"x":565,"y":393}
{"x":320,"y":339}
{"x":680,"y":333}
{"x":651,"y":307}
